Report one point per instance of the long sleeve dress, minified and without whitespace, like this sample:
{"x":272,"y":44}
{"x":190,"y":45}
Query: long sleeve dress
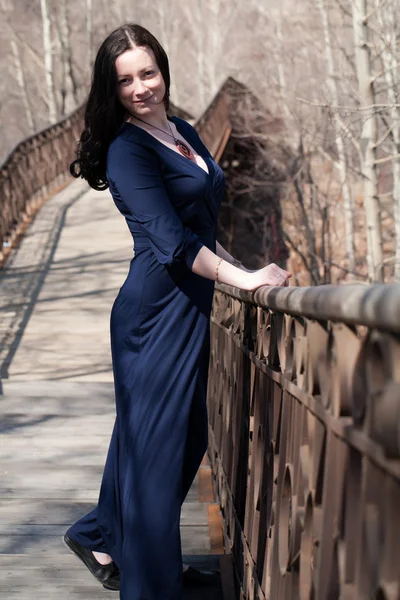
{"x":160,"y":352}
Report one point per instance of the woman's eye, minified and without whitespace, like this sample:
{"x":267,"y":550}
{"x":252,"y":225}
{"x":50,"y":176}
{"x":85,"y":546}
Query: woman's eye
{"x":149,"y":72}
{"x":122,"y":81}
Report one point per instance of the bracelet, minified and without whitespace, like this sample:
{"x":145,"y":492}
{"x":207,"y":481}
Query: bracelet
{"x":216,"y":271}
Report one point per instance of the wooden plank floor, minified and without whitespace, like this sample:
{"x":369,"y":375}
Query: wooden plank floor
{"x":52,"y":455}
{"x":57,"y":403}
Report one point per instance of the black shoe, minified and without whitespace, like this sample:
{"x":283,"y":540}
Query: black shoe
{"x":113,"y":582}
{"x":194,"y":578}
{"x":105,"y":574}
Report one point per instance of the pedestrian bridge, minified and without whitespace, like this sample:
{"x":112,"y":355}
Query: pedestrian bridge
{"x":304,"y":402}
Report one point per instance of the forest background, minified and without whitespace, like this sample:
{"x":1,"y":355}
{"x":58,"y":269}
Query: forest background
{"x":326,"y":74}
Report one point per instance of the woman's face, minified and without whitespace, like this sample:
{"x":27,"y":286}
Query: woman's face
{"x":140,"y":84}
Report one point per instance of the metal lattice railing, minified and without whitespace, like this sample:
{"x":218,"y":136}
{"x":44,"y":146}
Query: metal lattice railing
{"x":304,"y":409}
{"x":34,"y":169}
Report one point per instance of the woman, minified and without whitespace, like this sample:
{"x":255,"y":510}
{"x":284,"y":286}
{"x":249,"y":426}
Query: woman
{"x":165,"y":183}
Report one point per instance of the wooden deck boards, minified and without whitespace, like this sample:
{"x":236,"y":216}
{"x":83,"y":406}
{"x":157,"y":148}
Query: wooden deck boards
{"x":50,"y":475}
{"x":57,"y":403}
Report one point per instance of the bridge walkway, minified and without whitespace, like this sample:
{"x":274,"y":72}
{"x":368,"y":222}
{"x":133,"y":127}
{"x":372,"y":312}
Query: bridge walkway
{"x":57,"y":404}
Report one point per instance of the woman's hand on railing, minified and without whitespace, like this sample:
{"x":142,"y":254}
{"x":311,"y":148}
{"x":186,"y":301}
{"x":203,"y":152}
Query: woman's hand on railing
{"x":209,"y":265}
{"x":270,"y":275}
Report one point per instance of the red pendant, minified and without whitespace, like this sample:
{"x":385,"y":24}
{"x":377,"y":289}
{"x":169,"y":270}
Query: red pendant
{"x":183,"y":149}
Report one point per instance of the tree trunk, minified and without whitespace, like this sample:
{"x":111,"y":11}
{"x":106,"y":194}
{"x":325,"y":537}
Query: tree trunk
{"x":19,"y":74}
{"x":194,"y":15}
{"x":387,"y":18}
{"x":170,"y":37}
{"x":70,"y":84}
{"x":89,"y":34}
{"x":342,"y":160}
{"x":48,"y":62}
{"x":368,"y":140}
{"x":281,"y":70}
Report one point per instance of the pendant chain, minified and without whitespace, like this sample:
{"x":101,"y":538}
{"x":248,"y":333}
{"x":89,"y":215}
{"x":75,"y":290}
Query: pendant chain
{"x":182,"y":147}
{"x":155,"y":126}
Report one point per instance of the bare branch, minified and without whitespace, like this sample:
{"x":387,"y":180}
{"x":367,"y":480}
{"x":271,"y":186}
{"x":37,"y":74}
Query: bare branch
{"x":348,"y":108}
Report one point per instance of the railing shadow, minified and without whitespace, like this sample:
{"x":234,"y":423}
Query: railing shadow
{"x":30,"y":285}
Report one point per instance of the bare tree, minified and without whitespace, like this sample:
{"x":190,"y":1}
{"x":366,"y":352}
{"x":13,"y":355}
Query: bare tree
{"x":369,"y":139}
{"x":171,"y":33}
{"x":48,"y":61}
{"x":69,"y":89}
{"x":194,"y":14}
{"x":387,"y":17}
{"x":89,"y":34}
{"x":342,"y":159}
{"x":328,"y":85}
{"x":19,"y":72}
{"x":281,"y":68}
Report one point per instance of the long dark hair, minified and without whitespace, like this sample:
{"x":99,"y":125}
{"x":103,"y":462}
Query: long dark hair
{"x":104,"y":113}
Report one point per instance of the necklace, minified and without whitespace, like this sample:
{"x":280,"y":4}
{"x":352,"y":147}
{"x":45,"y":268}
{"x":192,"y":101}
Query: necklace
{"x":182,"y":147}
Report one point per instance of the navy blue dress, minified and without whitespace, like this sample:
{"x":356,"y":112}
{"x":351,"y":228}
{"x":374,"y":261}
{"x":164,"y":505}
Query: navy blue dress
{"x":160,"y":351}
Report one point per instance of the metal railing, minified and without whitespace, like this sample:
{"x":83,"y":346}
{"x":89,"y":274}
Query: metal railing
{"x":304,"y":410}
{"x":38,"y":166}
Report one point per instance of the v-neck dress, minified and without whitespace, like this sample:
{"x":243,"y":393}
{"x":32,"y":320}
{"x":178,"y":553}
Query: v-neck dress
{"x":160,"y":352}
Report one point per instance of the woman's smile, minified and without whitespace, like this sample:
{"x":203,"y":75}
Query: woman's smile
{"x":142,"y":101}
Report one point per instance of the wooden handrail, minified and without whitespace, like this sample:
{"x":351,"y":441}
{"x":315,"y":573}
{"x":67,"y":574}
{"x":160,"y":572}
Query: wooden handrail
{"x":33,"y":170}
